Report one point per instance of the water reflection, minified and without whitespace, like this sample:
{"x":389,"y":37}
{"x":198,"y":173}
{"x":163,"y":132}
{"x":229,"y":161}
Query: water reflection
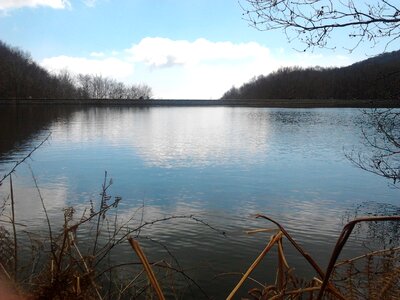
{"x":21,"y":123}
{"x":176,"y":137}
{"x":220,"y":164}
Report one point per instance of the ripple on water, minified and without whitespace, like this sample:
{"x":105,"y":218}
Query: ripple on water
{"x":222,"y":165}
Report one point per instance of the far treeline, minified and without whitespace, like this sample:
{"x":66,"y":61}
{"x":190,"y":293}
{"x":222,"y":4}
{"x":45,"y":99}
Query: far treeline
{"x":22,"y":78}
{"x":373,"y":78}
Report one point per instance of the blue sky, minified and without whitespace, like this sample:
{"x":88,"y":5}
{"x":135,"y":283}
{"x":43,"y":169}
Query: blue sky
{"x":181,"y":48}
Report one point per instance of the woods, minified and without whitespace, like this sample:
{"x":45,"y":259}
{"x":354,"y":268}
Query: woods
{"x":374,"y":78}
{"x":23,"y":78}
{"x":321,"y":24}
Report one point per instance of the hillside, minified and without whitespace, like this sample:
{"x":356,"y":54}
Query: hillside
{"x":22,"y":78}
{"x":373,"y":78}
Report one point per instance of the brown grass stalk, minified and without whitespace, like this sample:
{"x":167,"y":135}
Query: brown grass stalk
{"x":344,"y":236}
{"x":307,"y":256}
{"x":274,"y":239}
{"x":389,"y":281}
{"x":139,"y":252}
{"x":370,"y":254}
{"x":297,"y":292}
{"x":254,"y":231}
{"x":87,"y":269}
{"x":282,"y":267}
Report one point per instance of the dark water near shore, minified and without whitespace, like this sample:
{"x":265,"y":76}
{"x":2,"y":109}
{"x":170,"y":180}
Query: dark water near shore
{"x":220,"y":164}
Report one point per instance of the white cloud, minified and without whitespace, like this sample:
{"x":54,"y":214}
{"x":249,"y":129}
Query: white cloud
{"x":164,"y":52}
{"x":90,"y":3}
{"x":109,"y":67}
{"x":97,"y":54}
{"x":13,"y":4}
{"x":199,"y":69}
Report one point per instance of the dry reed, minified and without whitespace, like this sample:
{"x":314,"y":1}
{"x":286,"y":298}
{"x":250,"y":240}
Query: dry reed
{"x":375,"y":275}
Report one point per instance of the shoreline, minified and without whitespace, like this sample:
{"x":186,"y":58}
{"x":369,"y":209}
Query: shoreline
{"x":278,"y":103}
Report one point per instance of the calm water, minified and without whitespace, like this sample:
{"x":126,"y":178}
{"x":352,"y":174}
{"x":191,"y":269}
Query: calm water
{"x":220,"y":164}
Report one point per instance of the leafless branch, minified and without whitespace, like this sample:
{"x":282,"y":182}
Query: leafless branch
{"x":25,"y":158}
{"x":313,"y":22}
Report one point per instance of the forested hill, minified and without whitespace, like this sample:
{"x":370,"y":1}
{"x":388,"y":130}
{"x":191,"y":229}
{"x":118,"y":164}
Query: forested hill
{"x":22,"y":78}
{"x":373,"y":78}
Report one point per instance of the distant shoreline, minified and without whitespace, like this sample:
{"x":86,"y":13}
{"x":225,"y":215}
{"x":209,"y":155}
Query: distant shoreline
{"x":281,"y":103}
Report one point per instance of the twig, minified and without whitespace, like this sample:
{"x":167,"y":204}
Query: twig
{"x":103,"y":207}
{"x":5,"y":271}
{"x":180,"y":270}
{"x":242,"y":274}
{"x":25,"y":158}
{"x":53,"y":251}
{"x":9,"y":222}
{"x":131,"y":282}
{"x":14,"y":230}
{"x":208,"y":225}
{"x":85,"y":265}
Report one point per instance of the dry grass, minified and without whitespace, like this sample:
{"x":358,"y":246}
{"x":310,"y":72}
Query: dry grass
{"x":63,"y":266}
{"x":374,"y":275}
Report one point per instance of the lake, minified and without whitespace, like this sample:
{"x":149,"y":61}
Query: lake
{"x":219,"y":164}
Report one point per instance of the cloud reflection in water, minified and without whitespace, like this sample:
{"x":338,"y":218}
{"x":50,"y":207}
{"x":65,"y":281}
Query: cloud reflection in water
{"x":183,"y":137}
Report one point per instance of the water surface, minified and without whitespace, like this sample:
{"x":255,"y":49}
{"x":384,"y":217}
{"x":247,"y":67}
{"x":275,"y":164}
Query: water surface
{"x":220,"y":164}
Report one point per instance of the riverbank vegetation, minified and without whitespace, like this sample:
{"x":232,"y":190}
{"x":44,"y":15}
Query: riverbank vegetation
{"x":23,"y":78}
{"x":85,"y":253}
{"x":374,"y":78}
{"x":373,"y":275}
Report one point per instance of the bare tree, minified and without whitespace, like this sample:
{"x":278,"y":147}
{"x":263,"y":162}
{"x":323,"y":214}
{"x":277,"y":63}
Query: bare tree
{"x":99,"y":87}
{"x":314,"y":21}
{"x":139,"y":91}
{"x":381,"y":132}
